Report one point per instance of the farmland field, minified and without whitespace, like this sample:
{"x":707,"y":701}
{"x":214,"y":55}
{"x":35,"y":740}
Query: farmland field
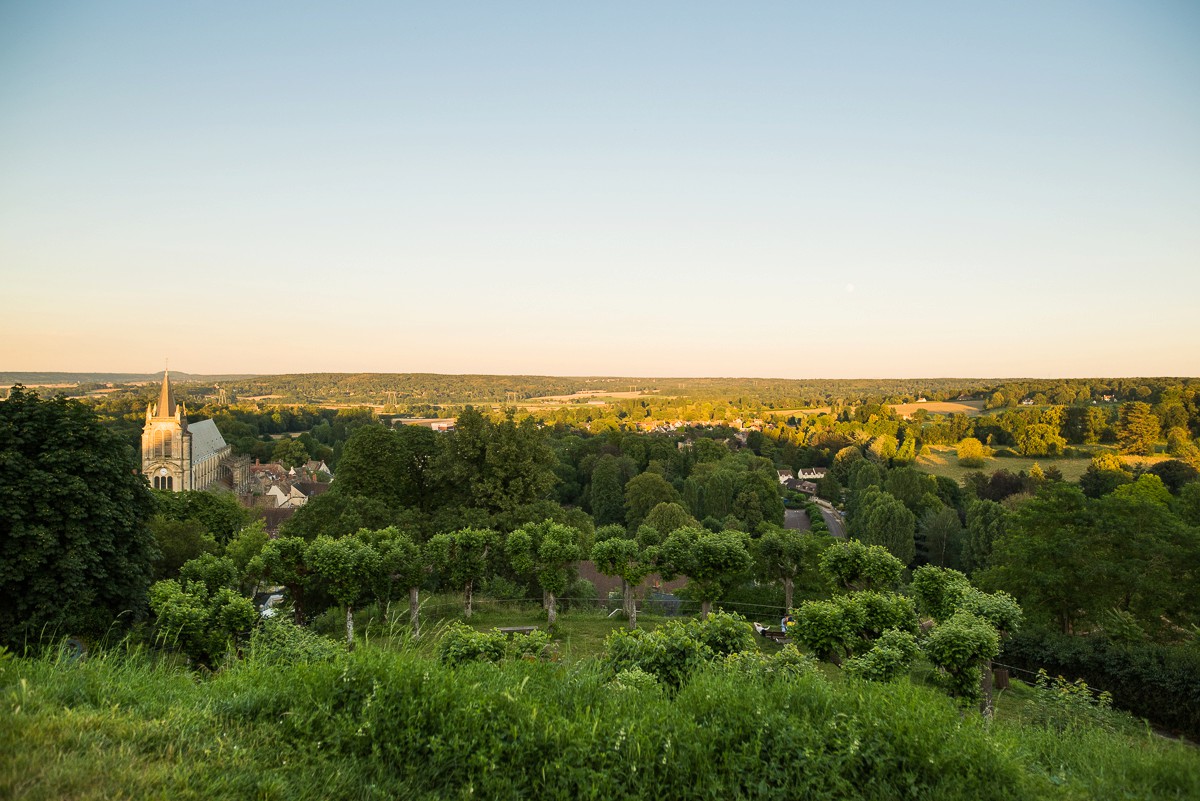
{"x":943,"y":461}
{"x":971,"y":408}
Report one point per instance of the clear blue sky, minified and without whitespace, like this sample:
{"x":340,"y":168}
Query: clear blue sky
{"x":767,"y":189}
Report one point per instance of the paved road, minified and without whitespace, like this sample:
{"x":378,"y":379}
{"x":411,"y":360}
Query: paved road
{"x":798,"y":519}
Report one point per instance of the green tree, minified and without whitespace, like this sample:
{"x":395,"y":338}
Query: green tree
{"x":643,"y":493}
{"x":284,"y":561}
{"x":1137,"y":429}
{"x":75,"y":548}
{"x":884,"y":520}
{"x":666,"y":517}
{"x":243,"y":548}
{"x":783,"y":555}
{"x":712,"y":562}
{"x":348,"y":566}
{"x":219,"y":513}
{"x":607,"y":492}
{"x":178,"y":541}
{"x":629,"y":559}
{"x":402,"y":564}
{"x":462,"y":558}
{"x":851,"y":566}
{"x":201,"y":623}
{"x":987,"y":521}
{"x":941,"y":537}
{"x":290,"y":453}
{"x":551,"y":553}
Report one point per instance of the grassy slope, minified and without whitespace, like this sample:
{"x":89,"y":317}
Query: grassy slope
{"x":117,"y":727}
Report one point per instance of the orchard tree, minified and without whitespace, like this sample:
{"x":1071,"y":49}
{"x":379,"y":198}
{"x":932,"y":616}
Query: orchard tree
{"x":851,"y":565}
{"x":462,"y":558}
{"x":75,"y":549}
{"x":551,"y":553}
{"x":666,"y":517}
{"x":783,"y":555}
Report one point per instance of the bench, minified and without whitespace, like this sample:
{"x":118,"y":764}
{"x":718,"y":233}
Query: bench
{"x":777,"y":636}
{"x":508,"y":631}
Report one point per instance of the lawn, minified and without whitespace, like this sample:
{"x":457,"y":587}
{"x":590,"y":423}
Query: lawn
{"x":943,"y":461}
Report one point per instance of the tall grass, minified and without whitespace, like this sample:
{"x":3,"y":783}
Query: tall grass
{"x":394,"y":723}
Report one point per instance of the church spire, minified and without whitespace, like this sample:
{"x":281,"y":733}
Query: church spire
{"x":166,"y":398}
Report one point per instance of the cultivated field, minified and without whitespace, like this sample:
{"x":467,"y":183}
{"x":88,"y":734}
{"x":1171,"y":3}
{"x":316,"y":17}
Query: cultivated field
{"x":971,"y":408}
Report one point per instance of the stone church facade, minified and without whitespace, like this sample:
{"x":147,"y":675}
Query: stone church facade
{"x":178,"y":456}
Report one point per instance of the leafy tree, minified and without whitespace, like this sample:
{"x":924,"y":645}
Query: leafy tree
{"x":338,"y":514}
{"x":348,"y":566}
{"x":712,"y":562}
{"x":75,"y":550}
{"x":462,"y":558}
{"x":1174,"y":474}
{"x":941,"y":537}
{"x":213,"y":572}
{"x":643,"y":493}
{"x":1149,"y":488}
{"x":907,"y":453}
{"x":1048,"y":558}
{"x":402,"y":564}
{"x":987,"y":521}
{"x":830,"y":488}
{"x":1137,"y":429}
{"x":960,"y":647}
{"x":666,"y":517}
{"x":1040,"y":439}
{"x":1188,"y":504}
{"x":178,"y":541}
{"x":628,"y":558}
{"x":971,"y":453}
{"x":884,"y":520}
{"x":285,"y":562}
{"x":851,"y":565}
{"x":607,"y":492}
{"x":290,"y":453}
{"x":244,"y":547}
{"x":782,"y":555}
{"x":551,"y":553}
{"x":883,"y":448}
{"x":219,"y":513}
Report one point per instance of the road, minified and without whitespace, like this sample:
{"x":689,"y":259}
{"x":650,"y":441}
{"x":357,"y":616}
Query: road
{"x":798,"y":519}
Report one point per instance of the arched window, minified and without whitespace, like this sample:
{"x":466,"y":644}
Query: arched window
{"x":166,"y":443}
{"x":170,"y":483}
{"x":156,"y":483}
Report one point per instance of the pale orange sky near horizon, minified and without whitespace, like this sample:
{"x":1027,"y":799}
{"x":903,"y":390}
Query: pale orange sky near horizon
{"x":777,"y":191}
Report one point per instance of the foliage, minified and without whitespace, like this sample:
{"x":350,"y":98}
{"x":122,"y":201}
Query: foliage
{"x":958,"y":647}
{"x":199,"y":622}
{"x":279,"y":641}
{"x":75,"y":550}
{"x":723,"y":632}
{"x":462,"y":558}
{"x":712,"y":561}
{"x":460,"y":643}
{"x":884,"y":520}
{"x":852,"y":565}
{"x":1137,"y":428}
{"x":550,"y":553}
{"x":1061,"y":705}
{"x":971,"y":452}
{"x":888,"y":660}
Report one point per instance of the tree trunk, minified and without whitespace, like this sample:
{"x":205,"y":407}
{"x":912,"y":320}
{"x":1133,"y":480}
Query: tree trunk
{"x":467,"y":598}
{"x":414,"y":611}
{"x":551,"y":609}
{"x":986,"y":681}
{"x":297,"y":605}
{"x":630,"y":605}
{"x":705,"y":609}
{"x":626,"y":594}
{"x":349,"y":627}
{"x":789,"y":587}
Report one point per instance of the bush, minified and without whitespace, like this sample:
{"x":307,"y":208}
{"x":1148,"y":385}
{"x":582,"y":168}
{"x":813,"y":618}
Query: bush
{"x":889,"y":660}
{"x":461,"y":643}
{"x":1158,"y":682}
{"x":671,"y":653}
{"x":279,"y":641}
{"x":581,"y":594}
{"x":724,"y":633}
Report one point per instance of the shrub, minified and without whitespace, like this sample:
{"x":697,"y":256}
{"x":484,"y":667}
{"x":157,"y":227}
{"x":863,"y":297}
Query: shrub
{"x":889,"y":660}
{"x":279,"y":641}
{"x":671,"y":653}
{"x":461,"y":643}
{"x":725,"y":633}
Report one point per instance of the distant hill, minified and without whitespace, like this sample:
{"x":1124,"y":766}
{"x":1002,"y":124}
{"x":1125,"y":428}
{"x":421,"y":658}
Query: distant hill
{"x":35,"y":379}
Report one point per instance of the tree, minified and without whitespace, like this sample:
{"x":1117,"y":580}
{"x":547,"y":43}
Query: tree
{"x":1137,"y":429}
{"x":284,"y":561}
{"x":712,"y":562}
{"x":220,"y":514}
{"x":462,"y":558}
{"x":178,"y":541}
{"x":629,"y":559}
{"x":290,"y":453}
{"x":987,"y":522}
{"x":782,"y":554}
{"x":883,"y":520}
{"x":851,"y":566}
{"x":666,"y":517}
{"x":550,"y":552}
{"x":643,"y":493}
{"x":607,"y":492}
{"x":245,"y":545}
{"x":971,"y":453}
{"x":200,"y":621}
{"x":883,"y":448}
{"x":1040,"y":439}
{"x":348,"y":566}
{"x":75,"y":549}
{"x":941,"y":537}
{"x":402,"y":563}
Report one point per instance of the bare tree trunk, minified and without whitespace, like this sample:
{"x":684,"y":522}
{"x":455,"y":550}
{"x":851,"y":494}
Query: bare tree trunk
{"x":706,"y":609}
{"x":467,"y":598}
{"x":414,"y":611}
{"x":630,"y":605}
{"x":986,"y":682}
{"x":626,"y":594}
{"x":349,"y":627}
{"x":551,"y":609}
{"x":789,"y":587}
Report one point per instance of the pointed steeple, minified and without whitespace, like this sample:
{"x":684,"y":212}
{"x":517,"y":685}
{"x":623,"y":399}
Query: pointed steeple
{"x":166,"y":398}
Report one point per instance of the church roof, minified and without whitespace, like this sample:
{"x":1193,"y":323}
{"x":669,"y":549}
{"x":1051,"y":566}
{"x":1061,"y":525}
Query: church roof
{"x":206,"y":440}
{"x":166,"y":398}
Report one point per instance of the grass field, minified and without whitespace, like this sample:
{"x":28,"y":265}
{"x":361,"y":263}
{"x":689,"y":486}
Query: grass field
{"x":943,"y":461}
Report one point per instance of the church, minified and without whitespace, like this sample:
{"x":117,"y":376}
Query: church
{"x":178,"y":456}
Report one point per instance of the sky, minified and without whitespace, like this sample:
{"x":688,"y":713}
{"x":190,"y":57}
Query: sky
{"x":776,"y":189}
